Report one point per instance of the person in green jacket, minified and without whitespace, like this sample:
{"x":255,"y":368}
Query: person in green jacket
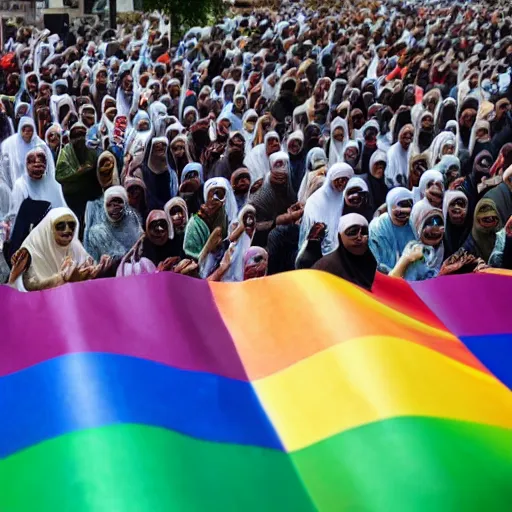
{"x":76,"y":172}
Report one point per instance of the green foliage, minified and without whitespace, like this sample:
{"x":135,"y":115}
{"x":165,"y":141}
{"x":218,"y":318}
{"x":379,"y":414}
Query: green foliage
{"x":188,"y":13}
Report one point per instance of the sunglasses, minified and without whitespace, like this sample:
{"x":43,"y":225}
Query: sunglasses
{"x":355,"y":231}
{"x":61,"y":226}
{"x":405,"y":204}
{"x":434,"y":222}
{"x":461,"y":203}
{"x":159,"y":224}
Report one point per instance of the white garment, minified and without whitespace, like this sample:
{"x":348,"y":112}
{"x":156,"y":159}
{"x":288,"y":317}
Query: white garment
{"x":326,"y":205}
{"x":14,"y":153}
{"x":337,"y":148}
{"x":46,"y":255}
{"x":397,"y":170}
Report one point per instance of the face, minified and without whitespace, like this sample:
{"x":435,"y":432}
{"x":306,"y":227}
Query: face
{"x":111,"y":114}
{"x":36,"y":165}
{"x":355,"y":197}
{"x":115,"y":208}
{"x":468,"y":118}
{"x":339,"y":134}
{"x":351,"y":155}
{"x":250,"y":124}
{"x":406,"y":139}
{"x":427,"y":122}
{"x":53,"y":139}
{"x":190,"y":118}
{"x":294,"y":147}
{"x":378,"y":170}
{"x":457,"y":210}
{"x":355,"y":239}
{"x":242,"y":183}
{"x":64,"y":229}
{"x":127,"y":83}
{"x":418,"y":168}
{"x":357,"y":121}
{"x":143,"y":125}
{"x":452,"y":174}
{"x":216,"y":197}
{"x":272,"y":145}
{"x":178,"y":149}
{"x":503,"y":109}
{"x":401,"y":212}
{"x":177,"y":217}
{"x":434,"y":193}
{"x":487,"y":218}
{"x":158,"y":232}
{"x":26,"y":133}
{"x":433,"y":231}
{"x":249,"y":221}
{"x":135,"y":194}
{"x":105,"y":170}
{"x":240,"y":104}
{"x":370,"y":136}
{"x":339,"y":184}
{"x":482,"y":134}
{"x":448,"y":149}
{"x":88,"y":118}
{"x":473,"y":81}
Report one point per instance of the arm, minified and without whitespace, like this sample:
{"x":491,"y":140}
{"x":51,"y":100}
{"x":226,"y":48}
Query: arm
{"x":406,"y":260}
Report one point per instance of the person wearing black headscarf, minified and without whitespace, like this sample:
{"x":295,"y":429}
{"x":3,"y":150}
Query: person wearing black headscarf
{"x":352,"y":260}
{"x":156,"y":175}
{"x":481,"y":169}
{"x":457,"y":222}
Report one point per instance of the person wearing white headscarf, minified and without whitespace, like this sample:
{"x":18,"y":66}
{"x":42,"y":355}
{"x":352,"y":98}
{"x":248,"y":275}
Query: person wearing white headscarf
{"x":337,"y":147}
{"x":326,"y":206}
{"x":431,"y":195}
{"x":218,"y":211}
{"x":14,"y":151}
{"x":257,"y":160}
{"x":53,"y":249}
{"x":397,"y":170}
{"x":38,"y":186}
{"x":115,"y":233}
{"x":391,"y":231}
{"x":316,"y":165}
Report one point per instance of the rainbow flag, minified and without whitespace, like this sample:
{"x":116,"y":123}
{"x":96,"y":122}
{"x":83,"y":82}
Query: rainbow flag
{"x":298,"y":392}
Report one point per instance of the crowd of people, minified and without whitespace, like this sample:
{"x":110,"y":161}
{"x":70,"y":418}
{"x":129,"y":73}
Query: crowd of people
{"x":369,"y":137}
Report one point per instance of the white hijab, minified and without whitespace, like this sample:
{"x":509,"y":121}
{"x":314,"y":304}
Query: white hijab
{"x":336,"y":148}
{"x":45,"y":189}
{"x":46,"y":255}
{"x":326,"y":205}
{"x":14,"y":153}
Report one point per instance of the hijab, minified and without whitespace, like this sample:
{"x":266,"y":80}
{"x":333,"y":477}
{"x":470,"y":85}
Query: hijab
{"x":45,"y":189}
{"x":357,"y":269}
{"x":46,"y":255}
{"x":484,"y":238}
{"x":326,"y":206}
{"x":455,"y":234}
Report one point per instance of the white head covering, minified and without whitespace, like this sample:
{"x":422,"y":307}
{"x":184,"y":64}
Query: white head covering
{"x":326,"y":205}
{"x":351,"y":219}
{"x":396,"y":195}
{"x":45,"y":189}
{"x":46,"y":255}
{"x":336,"y":148}
{"x":14,"y":153}
{"x":229,"y":201}
{"x":428,"y":176}
{"x":449,"y":197}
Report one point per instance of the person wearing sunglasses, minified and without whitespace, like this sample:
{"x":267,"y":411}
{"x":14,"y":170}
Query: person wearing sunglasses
{"x":457,"y":221}
{"x":391,"y":231}
{"x":422,"y":258}
{"x":352,"y":260}
{"x":52,"y":255}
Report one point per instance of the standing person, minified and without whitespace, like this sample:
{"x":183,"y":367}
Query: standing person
{"x":76,"y":172}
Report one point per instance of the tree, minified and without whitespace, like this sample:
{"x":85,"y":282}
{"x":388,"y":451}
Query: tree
{"x":188,"y":13}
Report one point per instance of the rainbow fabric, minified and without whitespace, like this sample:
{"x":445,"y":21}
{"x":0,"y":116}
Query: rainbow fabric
{"x":298,"y":392}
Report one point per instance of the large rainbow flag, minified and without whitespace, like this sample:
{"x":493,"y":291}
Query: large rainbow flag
{"x":298,"y":392}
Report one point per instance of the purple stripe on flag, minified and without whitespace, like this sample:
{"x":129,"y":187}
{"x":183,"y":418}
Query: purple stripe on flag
{"x":166,"y":318}
{"x":470,"y":304}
